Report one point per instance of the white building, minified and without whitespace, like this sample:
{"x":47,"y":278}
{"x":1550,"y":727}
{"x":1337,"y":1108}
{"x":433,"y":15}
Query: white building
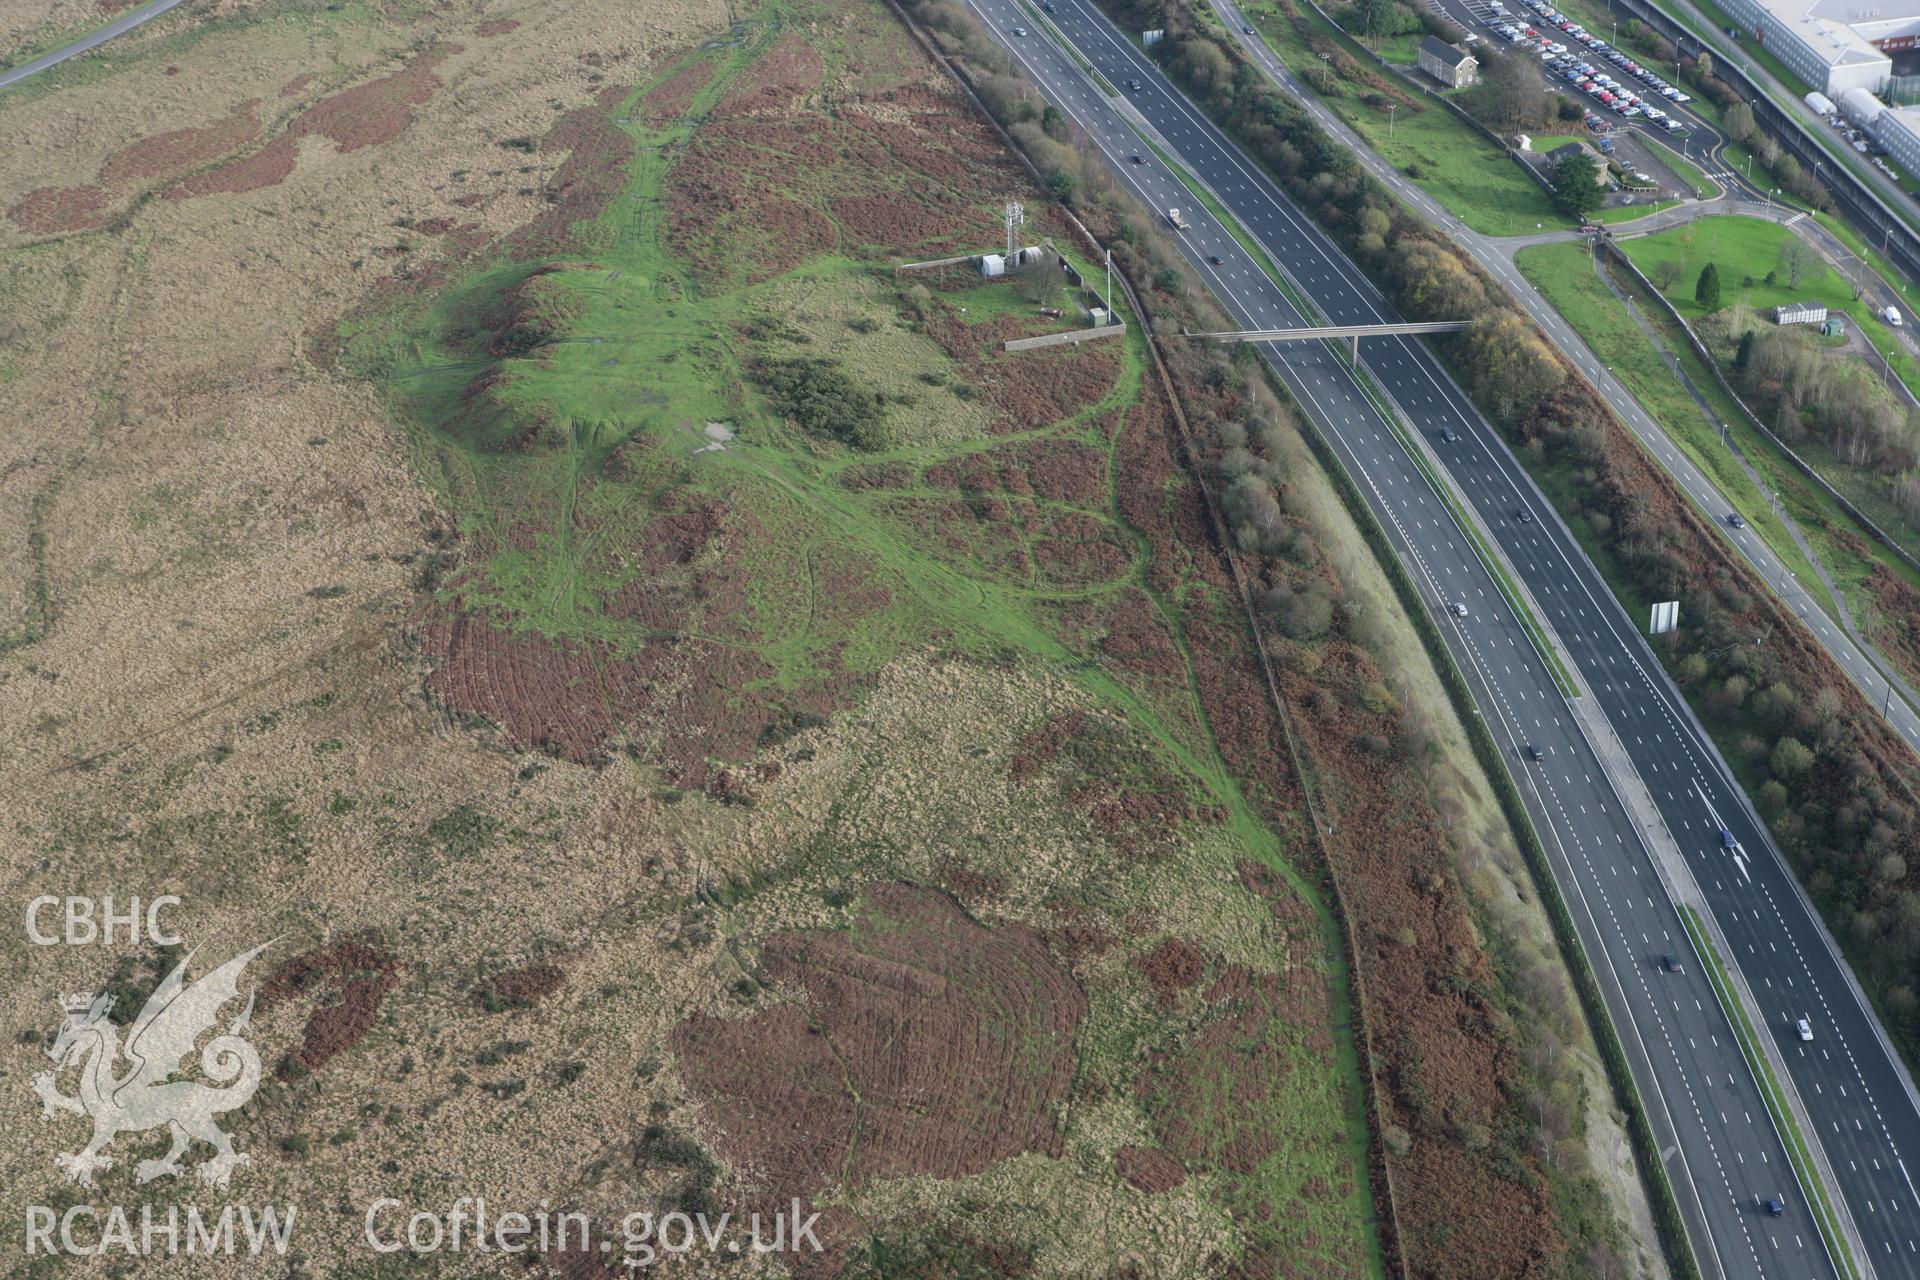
{"x":1800,"y":313}
{"x":1834,"y":45}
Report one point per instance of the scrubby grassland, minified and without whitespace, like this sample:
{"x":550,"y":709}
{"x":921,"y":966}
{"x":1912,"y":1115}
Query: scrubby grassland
{"x":900,"y":775}
{"x":709,"y":610}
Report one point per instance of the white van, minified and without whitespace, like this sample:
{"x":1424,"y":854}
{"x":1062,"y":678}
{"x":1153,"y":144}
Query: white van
{"x":1892,"y":316}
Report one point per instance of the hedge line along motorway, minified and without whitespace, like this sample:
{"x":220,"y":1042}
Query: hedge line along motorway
{"x":1687,"y":1062}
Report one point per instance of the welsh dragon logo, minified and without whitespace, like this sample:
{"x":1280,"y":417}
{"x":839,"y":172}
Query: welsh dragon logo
{"x":144,"y":1096}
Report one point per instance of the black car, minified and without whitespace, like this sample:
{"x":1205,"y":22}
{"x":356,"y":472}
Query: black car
{"x":1134,"y":85}
{"x":1214,"y":258}
{"x":1733,"y":518}
{"x":1533,"y":752}
{"x":1524,"y":516}
{"x":1138,"y":159}
{"x":1774,"y":1207}
{"x":1671,"y":964}
{"x":1446,"y":435}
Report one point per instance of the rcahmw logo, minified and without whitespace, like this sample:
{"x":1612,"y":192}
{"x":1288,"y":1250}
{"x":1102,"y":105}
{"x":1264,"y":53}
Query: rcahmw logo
{"x":143,"y":1095}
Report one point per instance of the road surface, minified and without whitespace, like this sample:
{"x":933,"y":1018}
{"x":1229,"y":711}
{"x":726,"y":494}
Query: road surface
{"x":120,"y":26}
{"x":1723,"y":1151}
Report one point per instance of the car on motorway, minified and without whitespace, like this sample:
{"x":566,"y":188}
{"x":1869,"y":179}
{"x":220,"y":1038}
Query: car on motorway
{"x":1134,"y":85}
{"x":1247,"y":31}
{"x":1138,"y":159}
{"x":1774,"y":1206}
{"x":1533,"y":752}
{"x":1020,"y":31}
{"x":1447,"y":436}
{"x":1733,"y":519}
{"x":1524,"y":516}
{"x":1805,"y":1027}
{"x":1459,"y":610}
{"x":1214,"y":259}
{"x":1726,"y":839}
{"x":1671,"y":963}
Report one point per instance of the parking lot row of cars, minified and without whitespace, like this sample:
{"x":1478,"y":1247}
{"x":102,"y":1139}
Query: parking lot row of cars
{"x":1583,"y":74}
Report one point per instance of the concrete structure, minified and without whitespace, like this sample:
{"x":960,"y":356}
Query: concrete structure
{"x":1834,"y":326}
{"x":1861,"y":107}
{"x":992,"y":264}
{"x":1449,"y":64}
{"x":1898,"y":130}
{"x":1560,"y":155}
{"x":1800,"y":313}
{"x":1833,"y":45}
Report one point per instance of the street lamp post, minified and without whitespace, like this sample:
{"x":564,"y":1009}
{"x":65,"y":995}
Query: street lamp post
{"x":1391,"y":108}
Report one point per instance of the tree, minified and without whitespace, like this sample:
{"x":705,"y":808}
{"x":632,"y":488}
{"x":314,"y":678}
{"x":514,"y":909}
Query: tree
{"x":1745,"y":352}
{"x":1798,"y":259}
{"x":1512,"y":96}
{"x":1704,"y":65}
{"x":1706,"y":291}
{"x":1790,"y":758}
{"x":1739,"y":119}
{"x":1575,"y":192}
{"x":1375,"y":16}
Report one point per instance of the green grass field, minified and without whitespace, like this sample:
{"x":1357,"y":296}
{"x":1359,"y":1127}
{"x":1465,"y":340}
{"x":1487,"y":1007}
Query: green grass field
{"x":1449,"y":160}
{"x":1565,"y":274}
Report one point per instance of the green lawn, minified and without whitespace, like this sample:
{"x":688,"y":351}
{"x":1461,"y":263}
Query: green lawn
{"x":1747,"y":248}
{"x":1565,"y":274}
{"x":1449,"y":159}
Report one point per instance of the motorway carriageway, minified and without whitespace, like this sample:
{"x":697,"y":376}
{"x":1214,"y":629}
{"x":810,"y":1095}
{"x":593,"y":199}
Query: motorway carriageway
{"x":1696,"y":1083}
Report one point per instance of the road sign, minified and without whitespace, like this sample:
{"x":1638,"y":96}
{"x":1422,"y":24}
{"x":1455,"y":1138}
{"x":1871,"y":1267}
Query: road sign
{"x":1666,"y":616}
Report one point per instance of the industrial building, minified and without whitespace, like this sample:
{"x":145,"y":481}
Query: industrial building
{"x":1833,"y":45}
{"x":1898,"y":130}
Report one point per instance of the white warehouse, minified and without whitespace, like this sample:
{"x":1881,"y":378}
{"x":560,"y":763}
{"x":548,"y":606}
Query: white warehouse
{"x":1833,"y":45}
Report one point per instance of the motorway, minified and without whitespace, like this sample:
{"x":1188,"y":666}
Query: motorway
{"x":120,"y":26}
{"x":1495,"y":256}
{"x":1721,"y":1148}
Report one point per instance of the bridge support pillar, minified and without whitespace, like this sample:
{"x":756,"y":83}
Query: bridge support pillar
{"x":1355,"y":349}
